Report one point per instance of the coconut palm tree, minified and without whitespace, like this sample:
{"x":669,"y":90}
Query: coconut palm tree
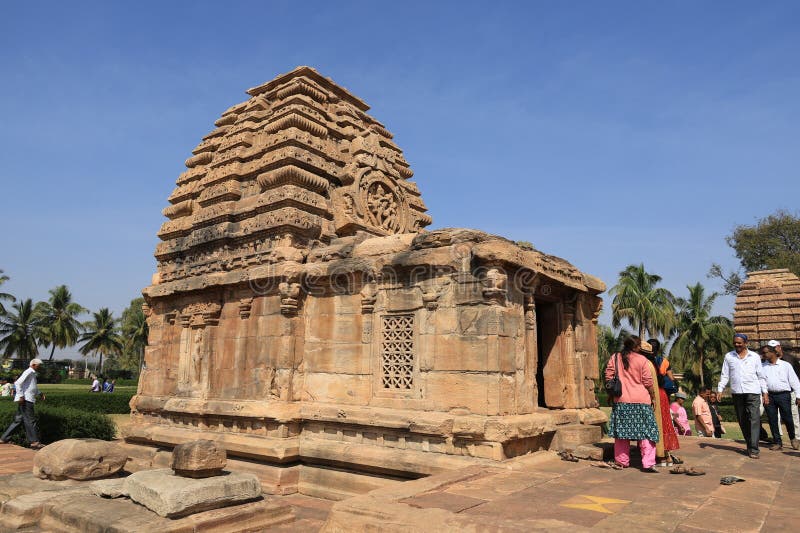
{"x":135,"y":330}
{"x":644,"y":306}
{"x":700,"y":335}
{"x":4,"y":295}
{"x":20,"y":330}
{"x":609,"y":343}
{"x":101,"y":336}
{"x":59,"y":321}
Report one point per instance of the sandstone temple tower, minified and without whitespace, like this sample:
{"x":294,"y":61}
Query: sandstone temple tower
{"x":768,"y":307}
{"x":303,"y":316}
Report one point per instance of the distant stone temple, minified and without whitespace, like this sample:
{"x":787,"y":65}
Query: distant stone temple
{"x":303,"y":316}
{"x":768,"y":307}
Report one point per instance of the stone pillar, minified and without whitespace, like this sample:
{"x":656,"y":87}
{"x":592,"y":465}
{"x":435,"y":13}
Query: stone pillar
{"x":528,"y":390}
{"x":573,"y":397}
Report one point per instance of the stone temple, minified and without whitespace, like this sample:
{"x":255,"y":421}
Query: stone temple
{"x":303,"y":317}
{"x":768,"y":307}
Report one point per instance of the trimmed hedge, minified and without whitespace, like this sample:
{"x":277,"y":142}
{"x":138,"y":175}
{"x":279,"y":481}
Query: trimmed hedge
{"x":115,"y":403}
{"x":56,"y":423}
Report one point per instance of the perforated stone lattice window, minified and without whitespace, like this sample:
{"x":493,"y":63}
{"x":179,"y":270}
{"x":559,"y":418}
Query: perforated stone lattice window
{"x":397,"y":352}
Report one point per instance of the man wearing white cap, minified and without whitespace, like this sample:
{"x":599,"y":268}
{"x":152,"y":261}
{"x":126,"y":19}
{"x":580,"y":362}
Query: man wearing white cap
{"x":792,"y":360}
{"x":25,"y":398}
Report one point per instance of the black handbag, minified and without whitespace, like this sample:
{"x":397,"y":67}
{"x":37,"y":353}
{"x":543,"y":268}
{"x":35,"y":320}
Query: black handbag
{"x":614,"y":385}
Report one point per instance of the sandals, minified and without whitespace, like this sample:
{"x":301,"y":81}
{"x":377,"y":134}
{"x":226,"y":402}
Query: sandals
{"x":687,"y":471}
{"x":36,"y":446}
{"x":567,"y":456}
{"x":676,"y":460}
{"x":730,"y":480}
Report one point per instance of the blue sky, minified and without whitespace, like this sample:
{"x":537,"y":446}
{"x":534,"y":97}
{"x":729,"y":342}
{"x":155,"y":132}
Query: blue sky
{"x":607,"y":133}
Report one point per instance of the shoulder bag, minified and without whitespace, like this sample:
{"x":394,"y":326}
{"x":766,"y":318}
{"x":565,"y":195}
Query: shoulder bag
{"x":614,"y":385}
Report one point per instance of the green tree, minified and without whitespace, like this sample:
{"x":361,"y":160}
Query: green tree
{"x":608,"y":343}
{"x":101,"y":336}
{"x":644,"y":306}
{"x":774,"y":242}
{"x":59,"y":321}
{"x":4,"y":295}
{"x":701,"y":337}
{"x":134,"y":334}
{"x":20,"y":330}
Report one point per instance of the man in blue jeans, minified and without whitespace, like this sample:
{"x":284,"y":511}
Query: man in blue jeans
{"x":742,"y":368}
{"x":25,"y":398}
{"x":781,"y":382}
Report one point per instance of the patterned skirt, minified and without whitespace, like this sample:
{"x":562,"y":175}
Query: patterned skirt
{"x":633,"y":421}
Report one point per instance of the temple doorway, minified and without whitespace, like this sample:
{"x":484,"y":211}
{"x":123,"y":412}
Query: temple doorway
{"x":547,"y":330}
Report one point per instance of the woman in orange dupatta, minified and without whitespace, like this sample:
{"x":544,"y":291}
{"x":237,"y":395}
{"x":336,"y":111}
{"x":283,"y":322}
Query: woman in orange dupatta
{"x":667,"y":436}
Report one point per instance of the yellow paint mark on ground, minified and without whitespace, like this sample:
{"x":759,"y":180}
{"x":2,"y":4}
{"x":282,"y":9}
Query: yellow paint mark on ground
{"x":594,"y":503}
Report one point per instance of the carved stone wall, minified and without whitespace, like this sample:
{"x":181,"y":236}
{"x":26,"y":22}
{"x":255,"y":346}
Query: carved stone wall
{"x":299,"y":313}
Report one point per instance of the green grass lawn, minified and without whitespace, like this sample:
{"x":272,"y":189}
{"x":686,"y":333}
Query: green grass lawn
{"x":61,"y":387}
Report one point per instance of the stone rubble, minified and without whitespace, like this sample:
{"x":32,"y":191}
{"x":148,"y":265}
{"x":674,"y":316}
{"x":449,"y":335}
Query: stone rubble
{"x":79,"y":459}
{"x":198,"y":459}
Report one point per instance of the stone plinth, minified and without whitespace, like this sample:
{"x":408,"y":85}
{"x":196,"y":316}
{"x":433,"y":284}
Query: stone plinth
{"x":768,"y":307}
{"x":170,"y":495}
{"x":300,"y":311}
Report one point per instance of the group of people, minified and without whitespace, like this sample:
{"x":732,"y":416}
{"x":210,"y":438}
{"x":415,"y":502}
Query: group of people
{"x":705,"y":410}
{"x":757,"y":380}
{"x":107,"y":386}
{"x":642,"y":411}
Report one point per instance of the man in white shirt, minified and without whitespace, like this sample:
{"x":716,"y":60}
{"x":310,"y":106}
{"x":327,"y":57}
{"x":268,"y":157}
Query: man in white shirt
{"x":25,"y":397}
{"x":742,"y":368}
{"x":781,"y":382}
{"x":795,"y":364}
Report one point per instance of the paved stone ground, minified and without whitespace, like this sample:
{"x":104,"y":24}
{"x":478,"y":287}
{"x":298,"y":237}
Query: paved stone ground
{"x":541,"y":492}
{"x":14,"y":459}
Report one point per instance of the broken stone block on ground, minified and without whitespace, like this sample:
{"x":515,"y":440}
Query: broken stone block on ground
{"x":79,"y":459}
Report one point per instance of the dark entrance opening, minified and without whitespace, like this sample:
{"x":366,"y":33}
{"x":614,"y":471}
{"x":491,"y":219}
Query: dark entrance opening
{"x":546,"y":337}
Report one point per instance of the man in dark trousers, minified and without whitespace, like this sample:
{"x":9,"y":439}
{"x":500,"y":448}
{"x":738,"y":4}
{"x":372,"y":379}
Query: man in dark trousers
{"x":795,"y":363}
{"x":26,"y":393}
{"x":742,"y":368}
{"x":781,"y":383}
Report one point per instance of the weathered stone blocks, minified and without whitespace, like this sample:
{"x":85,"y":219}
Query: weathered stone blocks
{"x":170,"y":495}
{"x":198,"y":459}
{"x":79,"y":459}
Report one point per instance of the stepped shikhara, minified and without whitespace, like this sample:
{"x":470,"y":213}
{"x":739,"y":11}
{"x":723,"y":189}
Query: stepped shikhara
{"x":768,"y":307}
{"x":302,"y":316}
{"x":300,"y":161}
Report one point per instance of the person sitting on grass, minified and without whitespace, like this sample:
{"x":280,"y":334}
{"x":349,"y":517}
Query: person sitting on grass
{"x":6,"y":388}
{"x":95,"y":385}
{"x":679,"y":416}
{"x":703,"y":421}
{"x":108,"y":386}
{"x":713,"y":405}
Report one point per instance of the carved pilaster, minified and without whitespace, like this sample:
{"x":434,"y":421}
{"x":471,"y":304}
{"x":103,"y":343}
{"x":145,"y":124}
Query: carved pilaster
{"x":369,"y":294}
{"x":290,"y":297}
{"x":201,"y":314}
{"x":245,"y":306}
{"x":495,"y":286}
